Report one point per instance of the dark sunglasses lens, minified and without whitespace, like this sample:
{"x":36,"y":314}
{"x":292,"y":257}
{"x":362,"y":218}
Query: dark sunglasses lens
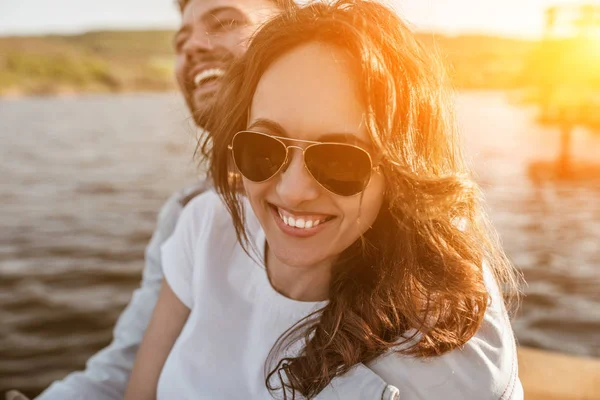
{"x":258,"y":157}
{"x":344,"y":170}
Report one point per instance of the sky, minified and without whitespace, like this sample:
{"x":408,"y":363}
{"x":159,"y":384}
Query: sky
{"x":516,"y":18}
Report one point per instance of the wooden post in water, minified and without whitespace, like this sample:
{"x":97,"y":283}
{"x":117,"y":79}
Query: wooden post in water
{"x":564,"y":157}
{"x":570,"y":76}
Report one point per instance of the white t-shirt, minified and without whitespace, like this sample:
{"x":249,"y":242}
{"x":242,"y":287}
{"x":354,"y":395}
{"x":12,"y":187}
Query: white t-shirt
{"x":236,"y":318}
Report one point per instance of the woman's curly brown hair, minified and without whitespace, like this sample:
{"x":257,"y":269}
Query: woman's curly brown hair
{"x":414,"y":282}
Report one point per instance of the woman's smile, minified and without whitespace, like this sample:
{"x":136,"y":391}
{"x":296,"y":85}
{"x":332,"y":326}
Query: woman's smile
{"x":299,"y":224}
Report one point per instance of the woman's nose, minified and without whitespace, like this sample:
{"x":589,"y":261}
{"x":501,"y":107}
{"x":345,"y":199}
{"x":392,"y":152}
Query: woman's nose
{"x":296,"y":185}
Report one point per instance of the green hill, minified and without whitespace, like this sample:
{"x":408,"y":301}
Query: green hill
{"x":116,"y":61}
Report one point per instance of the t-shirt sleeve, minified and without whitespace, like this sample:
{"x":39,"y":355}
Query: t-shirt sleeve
{"x":485,"y":368}
{"x":177,"y":253}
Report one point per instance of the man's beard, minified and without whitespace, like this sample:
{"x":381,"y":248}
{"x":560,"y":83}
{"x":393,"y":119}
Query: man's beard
{"x":200,"y":105}
{"x":200,"y":108}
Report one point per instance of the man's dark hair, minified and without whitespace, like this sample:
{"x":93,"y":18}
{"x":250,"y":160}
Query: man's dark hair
{"x":182,"y":4}
{"x":283,"y":4}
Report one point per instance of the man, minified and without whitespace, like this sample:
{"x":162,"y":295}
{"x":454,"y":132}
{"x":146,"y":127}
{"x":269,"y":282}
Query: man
{"x":213,"y":33}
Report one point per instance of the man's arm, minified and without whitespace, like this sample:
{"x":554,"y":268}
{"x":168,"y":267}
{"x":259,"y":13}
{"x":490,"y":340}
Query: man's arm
{"x":107,"y":373}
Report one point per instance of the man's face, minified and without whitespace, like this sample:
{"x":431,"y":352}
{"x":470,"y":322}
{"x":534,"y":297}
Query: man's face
{"x":213,"y":34}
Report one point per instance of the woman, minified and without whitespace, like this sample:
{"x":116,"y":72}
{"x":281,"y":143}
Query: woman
{"x":359,"y":240}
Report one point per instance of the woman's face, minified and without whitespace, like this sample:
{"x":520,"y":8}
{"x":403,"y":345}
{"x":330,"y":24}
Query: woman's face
{"x":310,"y":94}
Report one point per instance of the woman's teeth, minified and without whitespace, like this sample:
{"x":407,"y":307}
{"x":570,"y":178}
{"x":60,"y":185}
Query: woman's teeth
{"x":208,"y":74}
{"x":302,"y":223}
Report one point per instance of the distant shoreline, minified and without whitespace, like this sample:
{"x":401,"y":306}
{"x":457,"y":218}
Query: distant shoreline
{"x":65,"y":91}
{"x":17,"y":94}
{"x":132,"y":61}
{"x":70,"y":94}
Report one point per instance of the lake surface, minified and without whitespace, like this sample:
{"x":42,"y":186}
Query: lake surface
{"x":82,"y":180}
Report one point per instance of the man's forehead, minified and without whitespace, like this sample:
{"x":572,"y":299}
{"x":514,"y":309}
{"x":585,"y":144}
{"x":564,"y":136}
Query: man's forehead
{"x":201,"y":8}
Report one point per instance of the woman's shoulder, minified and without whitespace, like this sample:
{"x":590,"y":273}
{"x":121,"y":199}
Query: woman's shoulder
{"x":477,"y":370}
{"x":202,"y":219}
{"x":203,"y":202}
{"x":205,"y":210}
{"x":485,"y":367}
{"x":206,"y":215}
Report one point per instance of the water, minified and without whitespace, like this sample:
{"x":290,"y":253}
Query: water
{"x":83,"y":178}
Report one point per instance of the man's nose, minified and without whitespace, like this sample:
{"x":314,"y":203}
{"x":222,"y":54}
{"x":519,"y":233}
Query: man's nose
{"x":296,"y":185}
{"x":199,"y":42}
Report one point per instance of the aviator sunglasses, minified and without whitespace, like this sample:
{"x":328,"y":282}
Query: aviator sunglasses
{"x":341,"y":168}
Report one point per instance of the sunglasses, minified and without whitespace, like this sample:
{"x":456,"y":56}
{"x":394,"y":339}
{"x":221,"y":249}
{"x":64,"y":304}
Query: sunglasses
{"x":342,"y":169}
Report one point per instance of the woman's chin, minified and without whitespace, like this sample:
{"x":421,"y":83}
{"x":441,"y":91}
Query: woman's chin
{"x":295,"y":258}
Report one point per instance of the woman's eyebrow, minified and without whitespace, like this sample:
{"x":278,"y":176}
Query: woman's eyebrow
{"x":270,"y":125}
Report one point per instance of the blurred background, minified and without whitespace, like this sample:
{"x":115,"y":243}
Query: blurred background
{"x":94,"y":138}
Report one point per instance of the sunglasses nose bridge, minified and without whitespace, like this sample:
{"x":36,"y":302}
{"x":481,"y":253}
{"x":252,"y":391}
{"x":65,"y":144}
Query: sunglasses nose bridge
{"x":291,"y":146}
{"x":288,"y":156}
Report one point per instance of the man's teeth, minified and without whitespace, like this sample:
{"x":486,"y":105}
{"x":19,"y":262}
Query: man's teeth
{"x":208,"y":73}
{"x":302,"y":223}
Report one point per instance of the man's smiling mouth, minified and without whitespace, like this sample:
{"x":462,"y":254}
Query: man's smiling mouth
{"x":208,"y":75}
